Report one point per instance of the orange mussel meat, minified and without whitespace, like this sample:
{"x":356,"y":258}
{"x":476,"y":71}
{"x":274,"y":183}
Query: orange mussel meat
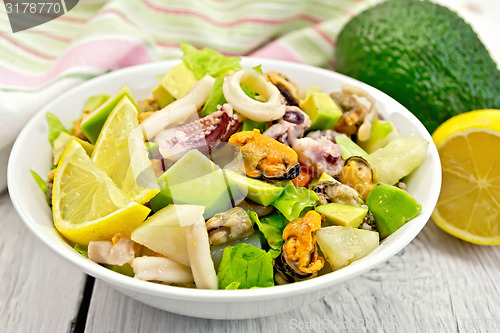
{"x":265,"y":156}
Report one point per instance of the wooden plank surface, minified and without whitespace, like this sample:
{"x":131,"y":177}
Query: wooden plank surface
{"x":39,"y":291}
{"x":436,"y":284}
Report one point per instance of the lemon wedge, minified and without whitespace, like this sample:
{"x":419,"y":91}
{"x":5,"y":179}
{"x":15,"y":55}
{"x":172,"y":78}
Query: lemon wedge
{"x":86,"y":203}
{"x":469,"y":203}
{"x":121,"y":153}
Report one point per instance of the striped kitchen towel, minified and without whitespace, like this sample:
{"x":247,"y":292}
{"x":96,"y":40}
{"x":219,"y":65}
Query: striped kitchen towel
{"x":38,"y":64}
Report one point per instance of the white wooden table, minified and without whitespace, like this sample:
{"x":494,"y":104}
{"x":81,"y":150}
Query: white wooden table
{"x":436,"y":284}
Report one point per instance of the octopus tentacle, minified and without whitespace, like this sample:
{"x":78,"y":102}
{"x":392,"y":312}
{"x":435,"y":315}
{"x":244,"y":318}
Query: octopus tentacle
{"x":201,"y":134}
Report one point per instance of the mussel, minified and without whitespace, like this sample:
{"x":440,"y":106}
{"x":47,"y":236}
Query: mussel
{"x":231,"y":225}
{"x":299,"y":257}
{"x":369,"y":222}
{"x":266,"y":157}
{"x":354,"y":113}
{"x":288,"y":89}
{"x":335,"y":191}
{"x":259,"y":209}
{"x":357,"y":174}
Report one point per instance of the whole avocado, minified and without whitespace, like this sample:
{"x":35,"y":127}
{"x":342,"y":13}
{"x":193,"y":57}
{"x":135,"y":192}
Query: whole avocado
{"x":423,"y":55}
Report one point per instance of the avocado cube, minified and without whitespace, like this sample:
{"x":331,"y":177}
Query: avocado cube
{"x":93,"y":102}
{"x":179,"y":80}
{"x":392,"y":207}
{"x":322,"y":111}
{"x":256,"y":190}
{"x":381,"y":134}
{"x":161,"y":95}
{"x":195,"y":180}
{"x":343,"y":215}
{"x":92,"y":123}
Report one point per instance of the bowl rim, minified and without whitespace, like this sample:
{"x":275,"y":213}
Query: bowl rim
{"x":241,"y":295}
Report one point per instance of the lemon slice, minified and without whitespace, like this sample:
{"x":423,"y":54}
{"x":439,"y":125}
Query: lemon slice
{"x":121,"y":153}
{"x":86,"y":203}
{"x":469,"y":203}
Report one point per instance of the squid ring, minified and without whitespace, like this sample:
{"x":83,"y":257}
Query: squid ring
{"x":271,"y":109}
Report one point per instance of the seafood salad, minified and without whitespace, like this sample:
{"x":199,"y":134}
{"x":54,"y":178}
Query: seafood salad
{"x":228,"y":177}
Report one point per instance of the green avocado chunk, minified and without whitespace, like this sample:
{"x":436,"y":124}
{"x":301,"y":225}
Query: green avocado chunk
{"x":381,"y":134}
{"x":256,"y":190}
{"x":161,"y":95}
{"x":322,"y":111}
{"x":93,"y":102}
{"x":195,"y":180}
{"x":423,"y":55}
{"x":344,"y":215}
{"x":392,"y":207}
{"x":175,"y":84}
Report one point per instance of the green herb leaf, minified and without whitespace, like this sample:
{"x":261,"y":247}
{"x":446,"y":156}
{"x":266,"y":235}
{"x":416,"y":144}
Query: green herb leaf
{"x":272,"y":228}
{"x":55,"y":127}
{"x":248,"y":91}
{"x":258,"y":69}
{"x":124,"y":269}
{"x":82,"y":249}
{"x":247,"y":265}
{"x":216,"y":97}
{"x":294,"y":200}
{"x":40,"y":182}
{"x":207,"y":61}
{"x":249,"y":125}
{"x":233,"y":285}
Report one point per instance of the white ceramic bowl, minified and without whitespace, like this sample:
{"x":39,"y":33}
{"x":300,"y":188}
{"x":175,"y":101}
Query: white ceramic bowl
{"x":32,"y":151}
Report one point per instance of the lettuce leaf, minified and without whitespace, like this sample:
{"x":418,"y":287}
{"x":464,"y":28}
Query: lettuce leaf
{"x":207,"y":61}
{"x":258,"y":69}
{"x":349,"y":148}
{"x":271,"y":227}
{"x":294,"y":200}
{"x":55,"y":127}
{"x":247,"y":265}
{"x":40,"y":182}
{"x":216,"y":97}
{"x":82,"y":249}
{"x":249,"y":124}
{"x":124,"y":269}
{"x":233,"y":285}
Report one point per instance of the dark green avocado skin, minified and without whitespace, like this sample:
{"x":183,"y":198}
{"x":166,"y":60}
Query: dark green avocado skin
{"x":423,"y":55}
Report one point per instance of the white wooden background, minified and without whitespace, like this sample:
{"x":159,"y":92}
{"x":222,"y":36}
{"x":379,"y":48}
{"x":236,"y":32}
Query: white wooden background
{"x":436,"y":284}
